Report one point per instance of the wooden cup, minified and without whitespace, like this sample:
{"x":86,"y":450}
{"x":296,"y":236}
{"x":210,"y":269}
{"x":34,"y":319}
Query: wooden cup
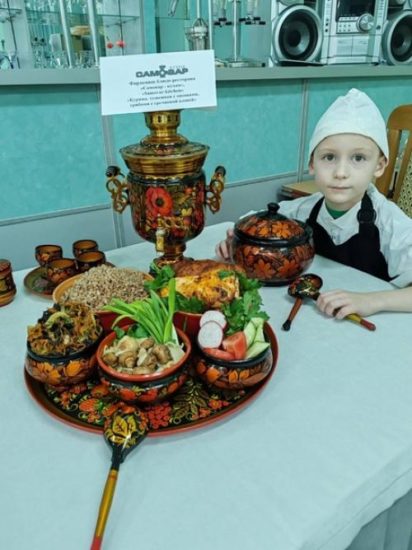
{"x":59,"y":270}
{"x":90,"y":259}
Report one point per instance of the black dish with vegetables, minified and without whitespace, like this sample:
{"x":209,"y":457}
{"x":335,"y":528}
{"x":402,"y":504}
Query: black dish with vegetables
{"x":235,"y":361}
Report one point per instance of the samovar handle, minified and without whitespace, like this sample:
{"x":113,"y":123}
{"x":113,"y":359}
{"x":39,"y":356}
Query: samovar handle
{"x":216,"y":186}
{"x":117,"y":188}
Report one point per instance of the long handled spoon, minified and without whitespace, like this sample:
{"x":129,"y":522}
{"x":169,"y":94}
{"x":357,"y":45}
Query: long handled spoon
{"x":308,"y":286}
{"x":124,"y":434}
{"x":292,"y":314}
{"x":305,"y":286}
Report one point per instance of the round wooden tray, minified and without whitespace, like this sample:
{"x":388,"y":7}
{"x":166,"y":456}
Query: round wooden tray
{"x":87,"y":406}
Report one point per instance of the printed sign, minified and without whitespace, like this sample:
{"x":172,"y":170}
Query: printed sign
{"x":157,"y":82}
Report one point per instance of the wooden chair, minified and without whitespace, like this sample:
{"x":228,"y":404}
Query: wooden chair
{"x":397,"y":172}
{"x":404,"y":200}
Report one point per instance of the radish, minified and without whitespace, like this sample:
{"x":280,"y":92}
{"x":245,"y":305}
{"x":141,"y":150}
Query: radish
{"x":210,"y":335}
{"x":213,"y":315}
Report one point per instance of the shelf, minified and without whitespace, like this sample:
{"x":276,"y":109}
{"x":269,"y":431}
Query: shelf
{"x":36,"y":16}
{"x":110,"y":20}
{"x":29,"y":77}
{"x":325,"y":71}
{"x":10,"y":12}
{"x":19,"y":77}
{"x":105,"y":19}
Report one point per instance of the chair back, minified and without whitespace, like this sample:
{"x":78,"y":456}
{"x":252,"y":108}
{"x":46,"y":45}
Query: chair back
{"x":399,"y":128}
{"x":404,"y":200}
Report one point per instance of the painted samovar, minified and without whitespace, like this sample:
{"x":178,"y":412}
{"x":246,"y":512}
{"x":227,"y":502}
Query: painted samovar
{"x":166,"y":186}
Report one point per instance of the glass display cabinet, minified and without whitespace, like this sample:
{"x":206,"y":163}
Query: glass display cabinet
{"x":11,"y":23}
{"x":171,"y":18}
{"x":74,"y":34}
{"x":68,"y":33}
{"x":242,"y":32}
{"x":238,"y":30}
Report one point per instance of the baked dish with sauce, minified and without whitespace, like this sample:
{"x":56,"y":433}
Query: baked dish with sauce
{"x":212,"y":283}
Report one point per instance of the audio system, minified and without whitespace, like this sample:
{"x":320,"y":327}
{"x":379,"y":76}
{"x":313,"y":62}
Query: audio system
{"x":352,"y":30}
{"x":397,"y":34}
{"x":296,"y":32}
{"x":327,"y":32}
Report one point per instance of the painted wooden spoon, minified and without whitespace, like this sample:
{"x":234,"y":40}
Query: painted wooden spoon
{"x":308,"y":286}
{"x":124,"y":433}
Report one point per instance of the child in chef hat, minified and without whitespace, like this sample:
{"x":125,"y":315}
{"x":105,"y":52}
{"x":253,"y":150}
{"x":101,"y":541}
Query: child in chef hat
{"x":353,"y":223}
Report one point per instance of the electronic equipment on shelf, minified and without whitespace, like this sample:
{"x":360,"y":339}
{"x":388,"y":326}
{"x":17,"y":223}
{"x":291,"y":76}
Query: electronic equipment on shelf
{"x":397,"y":34}
{"x":296,"y":32}
{"x":352,"y":30}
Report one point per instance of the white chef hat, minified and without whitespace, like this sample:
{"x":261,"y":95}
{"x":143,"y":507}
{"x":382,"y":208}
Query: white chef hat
{"x":354,"y":113}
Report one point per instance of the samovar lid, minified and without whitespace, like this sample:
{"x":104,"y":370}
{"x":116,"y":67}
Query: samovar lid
{"x":164,"y":152}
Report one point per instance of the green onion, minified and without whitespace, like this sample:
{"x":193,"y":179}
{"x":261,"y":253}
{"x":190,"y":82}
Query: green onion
{"x":171,"y":302}
{"x":151,"y":313}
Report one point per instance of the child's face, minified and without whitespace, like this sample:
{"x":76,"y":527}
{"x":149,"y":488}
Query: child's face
{"x":344,"y":165}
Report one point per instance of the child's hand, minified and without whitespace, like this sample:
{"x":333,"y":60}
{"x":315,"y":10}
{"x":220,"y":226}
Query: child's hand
{"x":340,"y":303}
{"x":224,"y":248}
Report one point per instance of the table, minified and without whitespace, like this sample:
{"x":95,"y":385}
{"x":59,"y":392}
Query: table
{"x":324,"y":449}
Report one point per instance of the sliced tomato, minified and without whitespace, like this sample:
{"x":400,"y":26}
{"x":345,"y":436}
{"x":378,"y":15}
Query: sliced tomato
{"x":236,"y":344}
{"x":219,"y":354}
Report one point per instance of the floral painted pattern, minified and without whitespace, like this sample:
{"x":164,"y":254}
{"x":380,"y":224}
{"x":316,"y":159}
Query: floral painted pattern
{"x":125,"y":432}
{"x":139,"y":392}
{"x":234,"y":378}
{"x":273,"y":265}
{"x":61,"y":373}
{"x":261,"y":228}
{"x":176,"y":206}
{"x":158,"y":202}
{"x":90,"y":403}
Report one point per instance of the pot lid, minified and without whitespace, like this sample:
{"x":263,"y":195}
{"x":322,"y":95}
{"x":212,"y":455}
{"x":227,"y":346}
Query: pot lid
{"x":269,"y":227}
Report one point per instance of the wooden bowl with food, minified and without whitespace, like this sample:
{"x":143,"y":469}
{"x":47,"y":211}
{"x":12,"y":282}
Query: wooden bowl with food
{"x":99,"y":285}
{"x":234,"y":360}
{"x":140,"y":370}
{"x":148,"y":361}
{"x":61,"y":346}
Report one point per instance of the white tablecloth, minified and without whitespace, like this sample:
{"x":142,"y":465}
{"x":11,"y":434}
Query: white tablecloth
{"x":325,"y":448}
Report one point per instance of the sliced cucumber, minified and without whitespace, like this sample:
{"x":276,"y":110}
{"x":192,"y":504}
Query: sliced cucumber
{"x":250,"y":332}
{"x":259,"y":335}
{"x":256,"y":348}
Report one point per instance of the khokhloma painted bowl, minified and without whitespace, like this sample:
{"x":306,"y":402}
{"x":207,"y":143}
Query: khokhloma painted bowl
{"x":272,"y":248}
{"x":62,"y":371}
{"x":144,"y":388}
{"x":240,"y":374}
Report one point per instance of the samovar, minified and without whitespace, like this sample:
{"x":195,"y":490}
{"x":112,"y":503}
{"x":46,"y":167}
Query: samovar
{"x":166,"y":186}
